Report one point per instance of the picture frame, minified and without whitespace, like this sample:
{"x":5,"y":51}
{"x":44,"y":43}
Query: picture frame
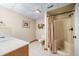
{"x":26,"y":24}
{"x":40,"y":26}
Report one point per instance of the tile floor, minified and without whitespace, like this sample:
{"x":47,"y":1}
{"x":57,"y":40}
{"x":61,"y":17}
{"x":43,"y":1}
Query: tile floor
{"x":35,"y":49}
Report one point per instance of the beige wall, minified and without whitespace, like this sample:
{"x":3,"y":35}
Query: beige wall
{"x":13,"y":25}
{"x":40,"y":33}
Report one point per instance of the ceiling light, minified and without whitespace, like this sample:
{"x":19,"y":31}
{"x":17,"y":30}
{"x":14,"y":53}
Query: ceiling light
{"x":37,"y":11}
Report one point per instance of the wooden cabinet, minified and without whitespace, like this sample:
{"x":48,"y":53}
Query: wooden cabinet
{"x":23,"y":51}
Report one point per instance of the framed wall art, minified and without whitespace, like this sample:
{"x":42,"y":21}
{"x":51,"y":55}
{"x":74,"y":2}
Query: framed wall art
{"x":40,"y":26}
{"x":26,"y":24}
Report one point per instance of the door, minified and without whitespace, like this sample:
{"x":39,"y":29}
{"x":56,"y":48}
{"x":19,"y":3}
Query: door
{"x":63,"y":33}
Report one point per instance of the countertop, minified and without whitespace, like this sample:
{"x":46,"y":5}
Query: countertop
{"x":10,"y":44}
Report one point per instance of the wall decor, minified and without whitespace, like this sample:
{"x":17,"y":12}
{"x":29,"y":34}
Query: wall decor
{"x":40,"y":26}
{"x":2,"y":24}
{"x":26,"y":24}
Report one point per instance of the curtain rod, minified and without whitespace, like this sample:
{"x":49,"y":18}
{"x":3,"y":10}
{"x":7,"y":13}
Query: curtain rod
{"x":62,"y":13}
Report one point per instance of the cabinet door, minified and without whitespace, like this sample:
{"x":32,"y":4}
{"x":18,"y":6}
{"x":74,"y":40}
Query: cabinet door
{"x":23,"y":51}
{"x":11,"y":54}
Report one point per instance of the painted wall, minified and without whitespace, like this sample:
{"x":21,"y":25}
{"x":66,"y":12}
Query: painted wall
{"x":40,"y":33}
{"x":77,"y":29}
{"x":13,"y":25}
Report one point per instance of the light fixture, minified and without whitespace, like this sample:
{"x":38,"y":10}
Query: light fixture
{"x":50,"y":6}
{"x":37,"y":11}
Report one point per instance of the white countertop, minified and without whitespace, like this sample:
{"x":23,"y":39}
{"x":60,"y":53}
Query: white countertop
{"x":10,"y":44}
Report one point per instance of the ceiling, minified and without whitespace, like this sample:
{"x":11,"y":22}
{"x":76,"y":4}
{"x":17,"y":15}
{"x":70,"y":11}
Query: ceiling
{"x":28,"y":9}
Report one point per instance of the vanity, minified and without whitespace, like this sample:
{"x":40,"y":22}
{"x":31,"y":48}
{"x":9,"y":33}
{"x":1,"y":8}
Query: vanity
{"x":23,"y":51}
{"x":10,"y":46}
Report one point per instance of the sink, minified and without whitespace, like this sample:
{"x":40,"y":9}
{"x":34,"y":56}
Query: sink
{"x":3,"y":39}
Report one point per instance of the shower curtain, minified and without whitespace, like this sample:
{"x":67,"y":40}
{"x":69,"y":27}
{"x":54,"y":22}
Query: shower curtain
{"x":51,"y":40}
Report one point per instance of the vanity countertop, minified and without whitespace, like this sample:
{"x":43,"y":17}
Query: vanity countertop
{"x":10,"y":44}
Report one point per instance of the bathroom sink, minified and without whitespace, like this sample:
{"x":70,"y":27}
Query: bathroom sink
{"x":3,"y":39}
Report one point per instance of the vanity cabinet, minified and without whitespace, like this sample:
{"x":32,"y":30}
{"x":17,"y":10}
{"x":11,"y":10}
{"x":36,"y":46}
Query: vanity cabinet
{"x":23,"y":51}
